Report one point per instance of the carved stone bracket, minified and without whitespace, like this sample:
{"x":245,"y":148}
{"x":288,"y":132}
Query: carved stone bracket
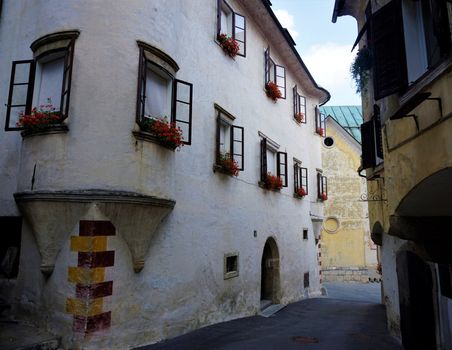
{"x":53,"y":214}
{"x":371,"y":197}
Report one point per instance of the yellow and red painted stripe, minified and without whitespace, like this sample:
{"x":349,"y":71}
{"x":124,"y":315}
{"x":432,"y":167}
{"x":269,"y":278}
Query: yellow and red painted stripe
{"x":87,"y":306}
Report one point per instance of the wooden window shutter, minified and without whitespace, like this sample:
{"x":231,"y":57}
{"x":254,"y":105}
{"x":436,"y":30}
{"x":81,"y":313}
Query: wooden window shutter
{"x":388,"y":50}
{"x":182,"y":108}
{"x":238,"y":145}
{"x":378,"y":136}
{"x":325,"y":185}
{"x":267,"y":65}
{"x":441,"y":29}
{"x":141,"y":90}
{"x":280,"y":77}
{"x":281,"y":167}
{"x":217,"y":140}
{"x":219,"y":3}
{"x":239,"y":32}
{"x":296,"y":177}
{"x":20,"y":95}
{"x":317,"y":119}
{"x":67,"y":79}
{"x":263,"y":159}
{"x":296,"y":102}
{"x":304,"y":178}
{"x":368,"y":155}
{"x":319,"y":184}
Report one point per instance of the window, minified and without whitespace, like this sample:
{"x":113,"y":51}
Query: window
{"x":371,"y":141}
{"x":159,"y":94}
{"x":306,"y":280}
{"x":331,"y":224}
{"x":322,"y":186}
{"x":232,"y":24}
{"x":42,"y":80}
{"x":408,"y":38}
{"x":275,"y":73}
{"x":320,"y":127}
{"x":231,"y":265}
{"x":300,"y":178}
{"x":230,"y":139}
{"x":272,"y":161}
{"x":299,"y":106}
{"x":10,"y":246}
{"x":328,"y":141}
{"x":305,"y":233}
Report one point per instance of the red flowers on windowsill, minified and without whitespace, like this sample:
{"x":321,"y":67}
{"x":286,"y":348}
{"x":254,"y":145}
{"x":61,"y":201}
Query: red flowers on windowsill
{"x":299,"y":117}
{"x":229,"y":45}
{"x":166,"y":133}
{"x":273,"y":182}
{"x":272,"y":91}
{"x":229,"y":165}
{"x":323,"y":196}
{"x":321,"y":131}
{"x":301,"y":192}
{"x":39,"y":118}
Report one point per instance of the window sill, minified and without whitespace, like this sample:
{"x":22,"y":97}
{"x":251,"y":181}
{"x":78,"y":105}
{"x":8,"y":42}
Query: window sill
{"x":147,"y":136}
{"x":219,"y":168}
{"x":297,"y":196}
{"x":262,"y":185}
{"x":48,"y":130}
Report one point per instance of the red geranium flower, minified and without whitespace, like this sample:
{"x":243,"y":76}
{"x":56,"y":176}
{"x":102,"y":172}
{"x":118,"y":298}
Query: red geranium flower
{"x":272,"y":91}
{"x":229,"y":45}
{"x":273,"y":182}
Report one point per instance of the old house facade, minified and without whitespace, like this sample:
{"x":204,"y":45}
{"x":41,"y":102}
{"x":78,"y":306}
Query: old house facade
{"x":347,"y":251}
{"x":110,"y":236}
{"x":407,"y":159}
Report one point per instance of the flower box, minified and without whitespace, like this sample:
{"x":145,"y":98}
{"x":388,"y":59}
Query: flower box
{"x":229,"y":165}
{"x":273,"y":182}
{"x":301,"y":192}
{"x":299,"y":117}
{"x":229,"y":45}
{"x":272,"y":91}
{"x":163,"y":132}
{"x":323,"y":196}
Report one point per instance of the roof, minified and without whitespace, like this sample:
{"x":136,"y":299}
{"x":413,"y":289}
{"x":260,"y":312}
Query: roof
{"x":349,"y":117}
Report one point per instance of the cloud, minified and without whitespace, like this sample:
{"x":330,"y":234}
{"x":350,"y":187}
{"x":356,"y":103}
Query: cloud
{"x":329,"y":64}
{"x":287,"y":21}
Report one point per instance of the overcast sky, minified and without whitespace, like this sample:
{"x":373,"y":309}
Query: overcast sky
{"x":324,"y":46}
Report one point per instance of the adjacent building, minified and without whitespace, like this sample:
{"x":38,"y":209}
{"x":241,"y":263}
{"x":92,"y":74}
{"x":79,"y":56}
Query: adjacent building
{"x":407,"y":158}
{"x":136,"y":201}
{"x":347,"y":251}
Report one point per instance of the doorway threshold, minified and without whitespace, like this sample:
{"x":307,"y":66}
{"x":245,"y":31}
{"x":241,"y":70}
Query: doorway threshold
{"x":271,"y":309}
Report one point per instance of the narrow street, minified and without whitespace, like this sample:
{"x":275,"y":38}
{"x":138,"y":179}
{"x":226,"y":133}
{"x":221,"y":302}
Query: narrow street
{"x":349,"y":318}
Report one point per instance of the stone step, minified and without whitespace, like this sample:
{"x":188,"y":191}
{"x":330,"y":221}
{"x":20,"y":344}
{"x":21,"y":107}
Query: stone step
{"x":271,"y":310}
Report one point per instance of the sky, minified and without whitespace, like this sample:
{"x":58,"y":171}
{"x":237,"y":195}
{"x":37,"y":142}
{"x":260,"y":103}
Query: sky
{"x":324,"y":46}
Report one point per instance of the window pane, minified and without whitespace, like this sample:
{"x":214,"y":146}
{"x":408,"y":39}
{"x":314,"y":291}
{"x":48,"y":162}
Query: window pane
{"x":21,"y":74}
{"x":226,"y":21}
{"x":271,"y":162}
{"x":158,"y":95}
{"x":182,"y":111}
{"x":280,"y":71}
{"x":183,"y":93}
{"x":14,"y":116}
{"x":280,"y":81}
{"x":50,"y":80}
{"x":239,"y":160}
{"x":239,"y":21}
{"x":185,"y":130}
{"x":239,"y":35}
{"x":19,"y":95}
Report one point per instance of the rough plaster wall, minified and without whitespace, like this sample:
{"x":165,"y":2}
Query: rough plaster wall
{"x":350,"y":245}
{"x":181,"y":286}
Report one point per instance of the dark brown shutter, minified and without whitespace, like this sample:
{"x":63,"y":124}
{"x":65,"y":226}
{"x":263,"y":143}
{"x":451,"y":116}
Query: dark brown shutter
{"x":217,"y":140}
{"x":280,"y":77}
{"x":141,"y":90}
{"x":238,"y":145}
{"x":239,"y":32}
{"x":368,"y":155}
{"x":296,"y":177}
{"x":67,"y":80}
{"x":388,"y":50}
{"x":267,"y":65}
{"x":281,"y":167}
{"x":325,"y":185}
{"x":317,"y":119}
{"x":304,"y":178}
{"x":319,"y":184}
{"x":378,"y":136}
{"x":441,"y":25}
{"x":219,"y":2}
{"x":263,"y":159}
{"x":295,"y":101}
{"x":20,"y":95}
{"x":182,"y":108}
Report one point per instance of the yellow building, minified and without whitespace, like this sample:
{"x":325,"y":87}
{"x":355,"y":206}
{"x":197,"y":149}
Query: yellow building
{"x":347,"y":251}
{"x":407,"y":158}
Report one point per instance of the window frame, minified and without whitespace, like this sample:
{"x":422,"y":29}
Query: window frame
{"x":281,"y":160}
{"x":322,"y":185}
{"x":301,"y":177}
{"x":299,"y":107}
{"x":267,"y":70}
{"x":233,"y":273}
{"x":372,"y":141}
{"x":41,"y":51}
{"x":234,"y":26}
{"x":320,"y":122}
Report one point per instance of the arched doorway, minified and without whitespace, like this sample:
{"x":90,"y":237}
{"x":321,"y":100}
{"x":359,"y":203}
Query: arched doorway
{"x":270,"y":273}
{"x":417,"y":318}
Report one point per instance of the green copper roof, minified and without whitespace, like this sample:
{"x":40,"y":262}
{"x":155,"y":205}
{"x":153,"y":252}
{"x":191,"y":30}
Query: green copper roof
{"x":349,"y":117}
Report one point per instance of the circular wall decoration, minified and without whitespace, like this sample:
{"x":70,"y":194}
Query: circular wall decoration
{"x":331,"y":224}
{"x":328,"y":141}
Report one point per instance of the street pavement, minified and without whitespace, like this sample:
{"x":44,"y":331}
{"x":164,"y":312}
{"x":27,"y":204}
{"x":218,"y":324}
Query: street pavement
{"x":350,"y":318}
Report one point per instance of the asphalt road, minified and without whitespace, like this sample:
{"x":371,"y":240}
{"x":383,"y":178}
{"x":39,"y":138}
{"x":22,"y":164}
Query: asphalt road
{"x":349,"y":318}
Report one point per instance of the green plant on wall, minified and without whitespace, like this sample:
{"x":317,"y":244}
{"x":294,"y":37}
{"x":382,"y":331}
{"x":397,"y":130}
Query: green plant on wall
{"x":360,"y":68}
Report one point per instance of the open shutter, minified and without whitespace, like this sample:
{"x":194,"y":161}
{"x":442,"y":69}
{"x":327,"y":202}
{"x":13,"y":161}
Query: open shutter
{"x":322,"y":118}
{"x":238,"y":145}
{"x":219,"y":3}
{"x":67,"y":79}
{"x":280,"y":77}
{"x":319,"y":185}
{"x":441,"y":29}
{"x":369,"y":159}
{"x":263,"y":159}
{"x":141,"y":90}
{"x":296,"y":177}
{"x":281,"y":167}
{"x":296,"y":102}
{"x":378,"y":136}
{"x":325,"y":185}
{"x":239,"y":32}
{"x":317,"y":119}
{"x":217,"y":140}
{"x":304,"y":178}
{"x":267,"y":65}
{"x":388,"y":50}
{"x":20,"y":92}
{"x":182,"y":108}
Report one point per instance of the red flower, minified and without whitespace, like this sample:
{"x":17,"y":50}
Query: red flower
{"x":273,"y":182}
{"x":321,"y":132}
{"x":39,"y":118}
{"x":272,"y":91}
{"x":323,"y":196}
{"x":168,"y":133}
{"x":229,"y":164}
{"x":229,"y":45}
{"x":301,"y":192}
{"x":299,"y":117}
